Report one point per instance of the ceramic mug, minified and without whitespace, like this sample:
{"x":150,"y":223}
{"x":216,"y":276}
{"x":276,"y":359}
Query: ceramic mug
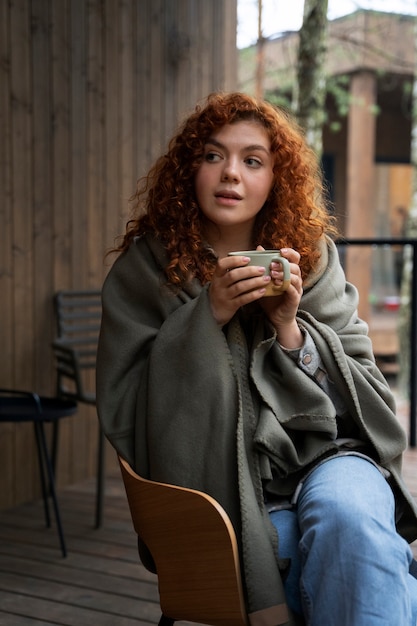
{"x":264,"y":258}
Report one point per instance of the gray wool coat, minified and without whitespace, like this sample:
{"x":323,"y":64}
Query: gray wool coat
{"x":227,"y":412}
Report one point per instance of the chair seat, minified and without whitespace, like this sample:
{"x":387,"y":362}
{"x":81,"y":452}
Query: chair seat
{"x":22,"y":409}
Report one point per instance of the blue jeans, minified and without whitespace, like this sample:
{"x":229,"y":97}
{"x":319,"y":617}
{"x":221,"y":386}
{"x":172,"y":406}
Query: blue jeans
{"x":349,"y":566}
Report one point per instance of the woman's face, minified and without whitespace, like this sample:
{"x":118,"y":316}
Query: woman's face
{"x":235,"y":176}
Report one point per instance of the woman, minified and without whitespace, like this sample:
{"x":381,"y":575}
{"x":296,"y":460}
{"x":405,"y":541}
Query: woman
{"x":272,"y":405}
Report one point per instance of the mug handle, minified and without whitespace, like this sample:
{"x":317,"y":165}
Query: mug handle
{"x":287,"y":275}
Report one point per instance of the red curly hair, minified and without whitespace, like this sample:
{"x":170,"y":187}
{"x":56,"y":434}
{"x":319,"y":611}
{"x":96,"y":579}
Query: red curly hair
{"x":165,"y":204}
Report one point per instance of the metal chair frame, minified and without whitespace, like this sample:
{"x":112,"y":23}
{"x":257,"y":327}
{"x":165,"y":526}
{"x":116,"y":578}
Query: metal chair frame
{"x":19,"y":406}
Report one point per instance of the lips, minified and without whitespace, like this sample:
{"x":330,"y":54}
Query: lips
{"x":233,"y":195}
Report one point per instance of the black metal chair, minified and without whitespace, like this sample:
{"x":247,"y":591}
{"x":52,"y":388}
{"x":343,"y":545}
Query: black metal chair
{"x":78,"y":316}
{"x":25,"y":406}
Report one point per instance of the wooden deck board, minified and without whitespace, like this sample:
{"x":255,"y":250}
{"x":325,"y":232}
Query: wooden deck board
{"x":101,"y":582}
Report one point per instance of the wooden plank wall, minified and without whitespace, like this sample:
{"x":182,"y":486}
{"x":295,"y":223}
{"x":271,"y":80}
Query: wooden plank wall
{"x":89,"y":93}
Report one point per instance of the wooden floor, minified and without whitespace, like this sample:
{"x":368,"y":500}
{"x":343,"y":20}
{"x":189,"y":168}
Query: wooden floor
{"x":101,"y":582}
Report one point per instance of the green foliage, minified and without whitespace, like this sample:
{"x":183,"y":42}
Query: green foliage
{"x":280,"y":99}
{"x":338,"y":88}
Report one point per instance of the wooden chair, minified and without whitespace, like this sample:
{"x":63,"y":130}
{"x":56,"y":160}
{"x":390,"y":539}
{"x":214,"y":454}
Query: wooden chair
{"x":78,"y":317}
{"x":193,"y":545}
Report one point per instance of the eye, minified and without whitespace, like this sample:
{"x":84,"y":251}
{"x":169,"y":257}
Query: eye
{"x":253,"y":162}
{"x":212,"y":157}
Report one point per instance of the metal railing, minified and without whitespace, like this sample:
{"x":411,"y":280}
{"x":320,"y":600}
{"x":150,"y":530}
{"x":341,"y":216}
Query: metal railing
{"x":413,"y":320}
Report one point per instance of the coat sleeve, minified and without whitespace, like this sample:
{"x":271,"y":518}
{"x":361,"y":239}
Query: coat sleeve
{"x":128,"y":330}
{"x":166,"y":389}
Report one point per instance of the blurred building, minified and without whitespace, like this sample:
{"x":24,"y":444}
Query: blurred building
{"x":367,"y":136}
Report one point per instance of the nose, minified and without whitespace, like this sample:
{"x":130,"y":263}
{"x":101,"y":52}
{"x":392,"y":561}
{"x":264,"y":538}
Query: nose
{"x":231,"y":171}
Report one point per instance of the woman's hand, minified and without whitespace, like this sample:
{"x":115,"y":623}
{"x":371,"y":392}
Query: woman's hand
{"x":282,"y":310}
{"x":233,"y":285}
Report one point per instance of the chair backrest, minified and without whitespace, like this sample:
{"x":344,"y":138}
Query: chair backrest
{"x":78,"y":316}
{"x":194,"y":548}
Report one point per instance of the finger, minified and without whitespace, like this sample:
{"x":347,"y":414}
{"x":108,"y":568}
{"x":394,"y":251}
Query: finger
{"x":291,"y":254}
{"x":296,"y":281}
{"x":243,"y":274}
{"x":248,"y":285}
{"x":276,"y":268}
{"x":230,"y":262}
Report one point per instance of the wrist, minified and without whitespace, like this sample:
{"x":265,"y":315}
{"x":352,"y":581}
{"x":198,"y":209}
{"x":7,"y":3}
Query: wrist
{"x":290,"y":336}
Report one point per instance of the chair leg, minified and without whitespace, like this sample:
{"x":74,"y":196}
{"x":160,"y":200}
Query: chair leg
{"x":42,"y":475}
{"x":166,"y":621}
{"x":100,"y":477}
{"x":54,"y":446}
{"x":51,"y":478}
